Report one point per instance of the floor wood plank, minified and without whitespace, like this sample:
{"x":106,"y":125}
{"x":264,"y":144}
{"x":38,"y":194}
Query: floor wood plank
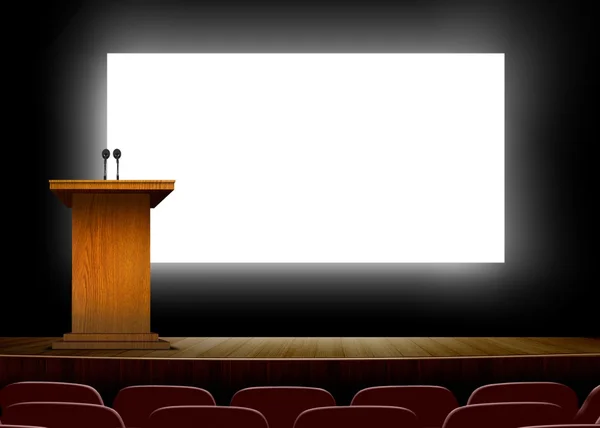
{"x":379,"y":347}
{"x":322,"y":347}
{"x":575,"y":344}
{"x":226,"y":348}
{"x":459,"y":347}
{"x":251,"y":348}
{"x":352,"y":348}
{"x":277,"y":347}
{"x":329,"y":347}
{"x":300,"y":347}
{"x":484,"y":345}
{"x":435,"y":349}
{"x":15,"y":342}
{"x":408,"y":348}
{"x":200,"y":348}
{"x":27,"y":345}
{"x":520,"y":346}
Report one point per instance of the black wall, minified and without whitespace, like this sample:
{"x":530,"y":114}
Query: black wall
{"x":545,"y":286}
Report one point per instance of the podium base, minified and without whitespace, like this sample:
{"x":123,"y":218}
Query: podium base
{"x":160,"y":344}
{"x":111,"y":341}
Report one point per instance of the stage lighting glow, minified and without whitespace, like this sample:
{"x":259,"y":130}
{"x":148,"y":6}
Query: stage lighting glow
{"x":320,"y":158}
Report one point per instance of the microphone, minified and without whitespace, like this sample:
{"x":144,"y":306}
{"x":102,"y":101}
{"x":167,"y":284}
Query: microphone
{"x":117,"y":155}
{"x":105,"y":156}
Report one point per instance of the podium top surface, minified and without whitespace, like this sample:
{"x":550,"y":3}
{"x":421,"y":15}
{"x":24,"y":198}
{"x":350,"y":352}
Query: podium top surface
{"x":157,"y":189}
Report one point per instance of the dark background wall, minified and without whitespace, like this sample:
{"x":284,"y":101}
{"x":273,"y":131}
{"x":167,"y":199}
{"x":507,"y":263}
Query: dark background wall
{"x":544,"y":287}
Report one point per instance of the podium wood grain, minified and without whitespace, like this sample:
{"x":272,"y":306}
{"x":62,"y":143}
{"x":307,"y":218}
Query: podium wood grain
{"x":111,"y":262}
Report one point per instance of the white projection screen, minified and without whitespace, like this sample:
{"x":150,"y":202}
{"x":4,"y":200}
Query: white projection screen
{"x":315,"y":158}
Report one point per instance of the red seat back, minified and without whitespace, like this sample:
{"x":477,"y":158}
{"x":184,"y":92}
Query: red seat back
{"x":546,"y":392}
{"x":357,"y":417}
{"x":22,"y":392}
{"x":62,"y":415}
{"x":135,"y":404}
{"x":281,"y":405}
{"x":19,"y":426}
{"x":564,"y":426}
{"x":206,"y":416}
{"x":506,"y":415}
{"x":431,"y":404}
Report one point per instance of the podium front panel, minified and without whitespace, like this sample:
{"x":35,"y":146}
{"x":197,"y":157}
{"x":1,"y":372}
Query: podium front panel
{"x":111,"y":263}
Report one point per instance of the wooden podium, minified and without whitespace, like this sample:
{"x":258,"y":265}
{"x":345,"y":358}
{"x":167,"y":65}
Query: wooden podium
{"x":111,"y":262}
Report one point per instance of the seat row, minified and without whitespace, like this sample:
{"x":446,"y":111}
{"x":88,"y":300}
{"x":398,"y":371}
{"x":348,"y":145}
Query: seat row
{"x":495,"y":415}
{"x":510,"y":405}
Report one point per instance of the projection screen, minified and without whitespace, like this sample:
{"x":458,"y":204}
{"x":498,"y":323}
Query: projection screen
{"x":320,"y":158}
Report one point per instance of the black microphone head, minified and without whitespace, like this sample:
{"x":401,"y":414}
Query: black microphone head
{"x":117,"y":153}
{"x":105,"y":154}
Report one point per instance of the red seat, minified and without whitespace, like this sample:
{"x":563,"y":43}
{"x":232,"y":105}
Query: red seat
{"x":62,"y":415}
{"x":431,"y":404}
{"x":22,"y":392}
{"x":590,"y":409}
{"x":564,"y":426}
{"x":281,"y":405}
{"x":505,"y":415}
{"x":19,"y":426}
{"x":135,"y":404}
{"x":357,"y":417}
{"x":545,"y":392}
{"x":206,"y":416}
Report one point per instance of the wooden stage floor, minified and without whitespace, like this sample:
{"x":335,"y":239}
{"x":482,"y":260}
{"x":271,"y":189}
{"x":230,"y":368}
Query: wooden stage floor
{"x":343,"y":366}
{"x":323,"y":347}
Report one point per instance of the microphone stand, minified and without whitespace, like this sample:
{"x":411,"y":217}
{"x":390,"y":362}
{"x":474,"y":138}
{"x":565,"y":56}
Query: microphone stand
{"x":105,"y":156}
{"x":117,"y":155}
